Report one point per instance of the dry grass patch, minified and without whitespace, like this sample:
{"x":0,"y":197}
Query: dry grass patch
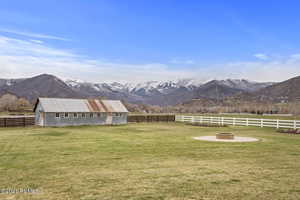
{"x":148,"y":161}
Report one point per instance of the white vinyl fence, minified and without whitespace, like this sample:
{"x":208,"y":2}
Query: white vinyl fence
{"x":275,"y":123}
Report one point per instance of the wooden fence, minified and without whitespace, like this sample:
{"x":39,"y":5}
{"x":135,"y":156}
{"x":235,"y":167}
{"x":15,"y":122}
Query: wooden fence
{"x":10,"y":121}
{"x":151,"y":118}
{"x":275,"y":123}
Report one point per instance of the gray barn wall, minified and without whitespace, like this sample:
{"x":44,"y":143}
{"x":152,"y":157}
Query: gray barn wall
{"x":37,"y":113}
{"x":120,"y":120}
{"x":51,"y":120}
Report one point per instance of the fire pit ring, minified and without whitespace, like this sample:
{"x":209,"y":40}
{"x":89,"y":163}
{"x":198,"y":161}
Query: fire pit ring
{"x":225,"y":136}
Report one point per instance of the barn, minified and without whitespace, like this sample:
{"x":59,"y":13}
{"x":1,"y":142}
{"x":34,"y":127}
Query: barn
{"x":74,"y":112}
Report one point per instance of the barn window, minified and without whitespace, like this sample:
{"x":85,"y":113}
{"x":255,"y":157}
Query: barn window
{"x":83,"y":115}
{"x":57,"y":115}
{"x":75,"y":115}
{"x":66,"y":115}
{"x":117,"y":114}
{"x":91,"y":115}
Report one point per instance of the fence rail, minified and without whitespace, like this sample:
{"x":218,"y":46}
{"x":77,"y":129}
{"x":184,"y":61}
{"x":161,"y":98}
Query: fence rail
{"x":275,"y":123}
{"x":11,"y":121}
{"x":151,"y":118}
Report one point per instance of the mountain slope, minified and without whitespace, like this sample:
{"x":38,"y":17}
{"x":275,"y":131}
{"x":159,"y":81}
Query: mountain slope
{"x":9,"y":82}
{"x":288,"y":90}
{"x":242,"y":84}
{"x":163,"y":93}
{"x":43,"y":85}
{"x":215,"y":90}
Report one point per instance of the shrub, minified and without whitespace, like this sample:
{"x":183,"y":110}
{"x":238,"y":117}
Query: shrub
{"x":289,"y":131}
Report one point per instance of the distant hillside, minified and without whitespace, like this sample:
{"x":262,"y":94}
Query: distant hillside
{"x":162,"y":93}
{"x":285,"y":91}
{"x":43,"y":85}
{"x":215,"y":90}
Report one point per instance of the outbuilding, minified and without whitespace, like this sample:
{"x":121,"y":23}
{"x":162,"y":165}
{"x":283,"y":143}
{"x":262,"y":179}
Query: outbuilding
{"x":75,"y":112}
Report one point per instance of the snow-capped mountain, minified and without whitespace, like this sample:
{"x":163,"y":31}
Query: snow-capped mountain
{"x":243,"y":84}
{"x":9,"y":82}
{"x":151,"y":92}
{"x":166,"y":92}
{"x":150,"y":87}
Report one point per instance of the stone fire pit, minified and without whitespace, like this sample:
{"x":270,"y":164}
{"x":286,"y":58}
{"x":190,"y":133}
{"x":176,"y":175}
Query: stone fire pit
{"x":225,"y":136}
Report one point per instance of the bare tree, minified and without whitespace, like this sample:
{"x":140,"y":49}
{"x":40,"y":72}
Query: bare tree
{"x":8,"y":102}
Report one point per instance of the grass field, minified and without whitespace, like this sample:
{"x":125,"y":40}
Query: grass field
{"x":147,"y":161}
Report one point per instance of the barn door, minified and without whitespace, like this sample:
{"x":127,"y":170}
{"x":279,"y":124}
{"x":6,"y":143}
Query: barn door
{"x":109,"y":118}
{"x":41,"y":121}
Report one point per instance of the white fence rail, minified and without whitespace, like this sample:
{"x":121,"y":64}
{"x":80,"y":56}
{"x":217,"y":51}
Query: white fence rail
{"x":275,"y":123}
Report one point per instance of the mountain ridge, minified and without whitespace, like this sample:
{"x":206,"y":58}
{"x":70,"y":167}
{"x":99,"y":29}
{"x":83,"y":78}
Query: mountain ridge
{"x":162,"y":93}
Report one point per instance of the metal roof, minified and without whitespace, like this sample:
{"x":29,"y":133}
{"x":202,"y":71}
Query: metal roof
{"x":114,"y":106}
{"x":80,"y":105}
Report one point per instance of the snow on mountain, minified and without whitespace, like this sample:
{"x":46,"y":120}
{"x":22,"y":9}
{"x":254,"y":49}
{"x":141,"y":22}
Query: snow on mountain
{"x":164,"y":87}
{"x":243,"y":84}
{"x":150,"y":92}
{"x":9,"y":82}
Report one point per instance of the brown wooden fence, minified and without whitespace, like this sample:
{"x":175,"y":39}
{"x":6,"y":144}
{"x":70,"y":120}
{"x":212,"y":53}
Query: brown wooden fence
{"x":151,"y":118}
{"x":11,"y":121}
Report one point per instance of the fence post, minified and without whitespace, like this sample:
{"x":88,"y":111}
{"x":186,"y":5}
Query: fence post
{"x":193,"y":119}
{"x":295,"y":124}
{"x":233,"y":122}
{"x":247,"y":122}
{"x":277,"y":125}
{"x":222,"y":119}
{"x":261,"y":123}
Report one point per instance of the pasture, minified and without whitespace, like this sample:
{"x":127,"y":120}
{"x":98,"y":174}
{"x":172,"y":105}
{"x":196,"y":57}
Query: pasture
{"x":147,"y":161}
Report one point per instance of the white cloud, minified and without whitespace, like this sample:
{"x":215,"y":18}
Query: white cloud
{"x":182,"y":61}
{"x":25,"y":58}
{"x":261,"y":56}
{"x":37,"y":41}
{"x":20,"y":58}
{"x":33,"y":35}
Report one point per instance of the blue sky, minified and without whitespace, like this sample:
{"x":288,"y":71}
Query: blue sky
{"x":139,"y":40}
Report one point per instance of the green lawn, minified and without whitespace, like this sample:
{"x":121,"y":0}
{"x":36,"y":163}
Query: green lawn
{"x":148,"y":161}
